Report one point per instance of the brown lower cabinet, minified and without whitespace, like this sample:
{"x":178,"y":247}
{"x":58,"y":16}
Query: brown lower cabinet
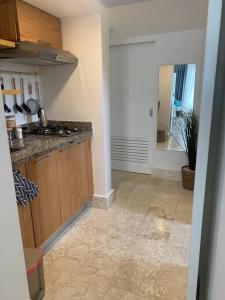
{"x":45,"y":208}
{"x":65,"y":183}
{"x":74,"y":169}
{"x":26,"y":223}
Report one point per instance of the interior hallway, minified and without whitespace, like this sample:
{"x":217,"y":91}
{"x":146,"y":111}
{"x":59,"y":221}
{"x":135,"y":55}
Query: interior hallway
{"x":136,"y":250}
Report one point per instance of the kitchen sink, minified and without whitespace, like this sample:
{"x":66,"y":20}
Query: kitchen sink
{"x":14,"y":149}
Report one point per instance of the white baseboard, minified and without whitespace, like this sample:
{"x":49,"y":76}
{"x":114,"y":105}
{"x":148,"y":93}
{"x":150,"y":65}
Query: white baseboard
{"x":166,"y":174}
{"x":131,"y":167}
{"x":103,"y":201}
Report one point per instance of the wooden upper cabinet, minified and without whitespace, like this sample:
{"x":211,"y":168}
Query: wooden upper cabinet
{"x":8,"y":20}
{"x":20,"y":21}
{"x":46,"y":207}
{"x":26,"y":223}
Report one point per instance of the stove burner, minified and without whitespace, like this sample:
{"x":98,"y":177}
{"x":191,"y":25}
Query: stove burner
{"x":57,"y":130}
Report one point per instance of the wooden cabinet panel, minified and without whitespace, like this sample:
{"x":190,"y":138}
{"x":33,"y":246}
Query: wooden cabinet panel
{"x":83,"y":173}
{"x":65,"y":172}
{"x":8,"y":20}
{"x":20,"y":21}
{"x":26,"y":223}
{"x":46,"y":208}
{"x":65,"y":184}
{"x":88,"y":166}
{"x":37,"y":26}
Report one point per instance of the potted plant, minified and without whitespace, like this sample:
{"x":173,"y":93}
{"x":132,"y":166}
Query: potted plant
{"x":189,"y":131}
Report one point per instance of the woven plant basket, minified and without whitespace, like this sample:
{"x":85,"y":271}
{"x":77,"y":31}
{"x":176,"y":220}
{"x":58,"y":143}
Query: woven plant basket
{"x":188,"y":178}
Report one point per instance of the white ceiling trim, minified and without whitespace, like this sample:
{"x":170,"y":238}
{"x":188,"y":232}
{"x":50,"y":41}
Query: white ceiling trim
{"x":113,"y":3}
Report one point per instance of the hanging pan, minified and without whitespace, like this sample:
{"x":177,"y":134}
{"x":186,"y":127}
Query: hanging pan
{"x":31,"y":102}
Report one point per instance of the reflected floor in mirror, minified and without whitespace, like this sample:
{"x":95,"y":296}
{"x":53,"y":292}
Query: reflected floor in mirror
{"x":136,"y":250}
{"x":171,"y":144}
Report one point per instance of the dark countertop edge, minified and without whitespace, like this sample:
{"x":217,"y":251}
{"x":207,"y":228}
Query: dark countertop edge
{"x":70,"y":141}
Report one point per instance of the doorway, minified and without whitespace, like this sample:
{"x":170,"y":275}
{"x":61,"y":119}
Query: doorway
{"x":132,"y":99}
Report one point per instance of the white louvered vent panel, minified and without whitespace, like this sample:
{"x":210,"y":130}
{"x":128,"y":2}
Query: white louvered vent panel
{"x":130,"y":149}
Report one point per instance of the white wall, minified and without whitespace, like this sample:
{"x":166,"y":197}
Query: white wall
{"x":81,"y":95}
{"x":155,"y":17}
{"x":165,"y":90}
{"x":28,"y":79}
{"x":173,"y":48}
{"x":13,"y":282}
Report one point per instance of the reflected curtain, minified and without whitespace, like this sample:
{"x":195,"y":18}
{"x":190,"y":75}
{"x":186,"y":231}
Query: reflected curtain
{"x":181,"y":71}
{"x":189,"y":88}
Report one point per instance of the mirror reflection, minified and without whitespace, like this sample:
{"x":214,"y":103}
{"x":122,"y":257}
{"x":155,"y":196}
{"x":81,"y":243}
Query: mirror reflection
{"x":176,"y":96}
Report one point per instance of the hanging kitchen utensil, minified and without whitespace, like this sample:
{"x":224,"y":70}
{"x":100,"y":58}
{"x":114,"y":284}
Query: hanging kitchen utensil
{"x":24,"y":106}
{"x":31,"y":102}
{"x":38,"y":97}
{"x":6,"y":108}
{"x":16,"y":106}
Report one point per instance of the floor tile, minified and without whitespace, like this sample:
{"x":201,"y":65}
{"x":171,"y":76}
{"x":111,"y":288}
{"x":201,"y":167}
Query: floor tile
{"x":136,"y":250}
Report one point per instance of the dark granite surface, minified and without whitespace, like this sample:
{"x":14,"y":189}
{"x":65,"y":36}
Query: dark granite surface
{"x":36,"y":145}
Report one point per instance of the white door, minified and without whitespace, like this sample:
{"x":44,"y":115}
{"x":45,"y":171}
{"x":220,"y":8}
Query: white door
{"x":132,"y":85}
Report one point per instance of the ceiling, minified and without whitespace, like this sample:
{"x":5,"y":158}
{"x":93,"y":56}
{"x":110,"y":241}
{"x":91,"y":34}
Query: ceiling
{"x":134,"y":17}
{"x":69,"y":8}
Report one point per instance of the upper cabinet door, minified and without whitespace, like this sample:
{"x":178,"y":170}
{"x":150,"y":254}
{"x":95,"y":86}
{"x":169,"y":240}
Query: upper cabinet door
{"x":8,"y":20}
{"x":37,"y":26}
{"x":20,"y":21}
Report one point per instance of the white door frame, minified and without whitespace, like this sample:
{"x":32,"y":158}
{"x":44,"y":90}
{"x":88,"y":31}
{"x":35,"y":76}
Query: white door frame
{"x":212,"y":41}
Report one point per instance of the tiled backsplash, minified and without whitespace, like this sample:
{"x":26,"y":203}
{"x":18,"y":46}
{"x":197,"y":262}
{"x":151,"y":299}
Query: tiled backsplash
{"x":21,"y":118}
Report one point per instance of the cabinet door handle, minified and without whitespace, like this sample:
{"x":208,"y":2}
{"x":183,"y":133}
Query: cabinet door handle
{"x":151,"y":112}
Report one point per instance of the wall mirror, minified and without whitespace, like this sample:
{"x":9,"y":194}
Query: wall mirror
{"x":175,"y":97}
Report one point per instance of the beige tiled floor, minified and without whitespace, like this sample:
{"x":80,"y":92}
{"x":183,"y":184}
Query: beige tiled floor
{"x":136,"y":250}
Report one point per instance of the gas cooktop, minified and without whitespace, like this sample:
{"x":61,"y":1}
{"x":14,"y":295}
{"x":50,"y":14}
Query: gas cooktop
{"x":56,"y":130}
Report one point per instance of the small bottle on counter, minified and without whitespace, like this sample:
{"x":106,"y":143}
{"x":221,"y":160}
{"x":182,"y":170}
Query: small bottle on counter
{"x":19,"y":133}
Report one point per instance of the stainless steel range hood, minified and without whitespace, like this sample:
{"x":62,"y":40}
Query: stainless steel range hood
{"x":35,"y":54}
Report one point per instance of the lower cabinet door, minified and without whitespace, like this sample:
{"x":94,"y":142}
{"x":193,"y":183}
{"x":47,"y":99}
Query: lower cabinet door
{"x":83,"y":189}
{"x":26,"y":226}
{"x":26,"y":223}
{"x":46,"y":208}
{"x":67,"y":183}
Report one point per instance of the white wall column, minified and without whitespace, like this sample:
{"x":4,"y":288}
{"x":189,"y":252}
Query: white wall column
{"x":13,"y":281}
{"x":82,"y":94}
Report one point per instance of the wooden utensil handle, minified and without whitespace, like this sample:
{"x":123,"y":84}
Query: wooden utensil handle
{"x":22,"y":89}
{"x":30,"y":89}
{"x":2,"y":83}
{"x":14,"y":87}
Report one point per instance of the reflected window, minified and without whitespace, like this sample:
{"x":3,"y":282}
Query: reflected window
{"x":176,"y":96}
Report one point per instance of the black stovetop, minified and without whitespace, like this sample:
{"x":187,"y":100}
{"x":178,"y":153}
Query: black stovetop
{"x":55,"y":130}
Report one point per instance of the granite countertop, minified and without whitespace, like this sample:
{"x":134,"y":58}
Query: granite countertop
{"x":36,"y":145}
